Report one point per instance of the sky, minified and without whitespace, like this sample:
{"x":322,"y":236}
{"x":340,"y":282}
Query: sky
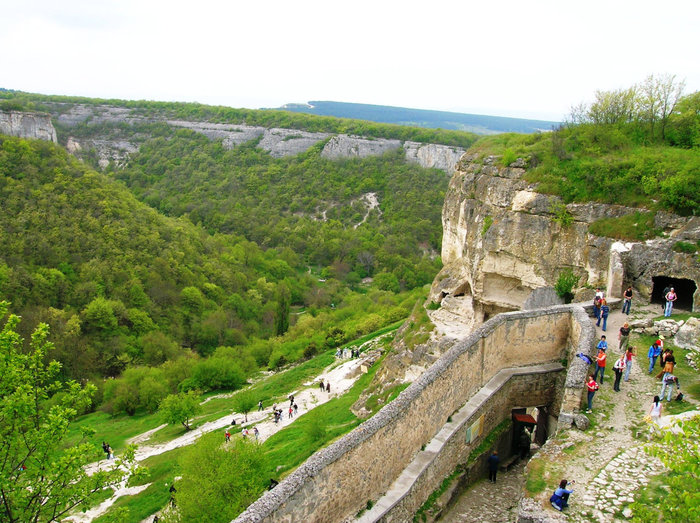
{"x":531,"y":59}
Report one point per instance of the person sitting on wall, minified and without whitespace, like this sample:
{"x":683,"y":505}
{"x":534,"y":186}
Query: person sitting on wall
{"x":560,"y":498}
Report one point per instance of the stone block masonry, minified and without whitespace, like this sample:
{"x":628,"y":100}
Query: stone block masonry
{"x":336,"y":482}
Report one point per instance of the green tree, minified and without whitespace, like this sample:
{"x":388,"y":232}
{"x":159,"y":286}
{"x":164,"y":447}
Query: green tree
{"x":180,"y":408}
{"x":220,"y":481}
{"x":244,"y":402}
{"x":41,"y":479}
{"x":282,"y":313}
{"x":679,"y":450}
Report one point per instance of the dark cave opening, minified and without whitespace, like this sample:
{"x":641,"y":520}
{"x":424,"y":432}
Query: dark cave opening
{"x":684,"y":288}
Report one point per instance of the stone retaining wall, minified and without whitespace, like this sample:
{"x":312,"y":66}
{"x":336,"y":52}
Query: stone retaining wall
{"x":336,"y":482}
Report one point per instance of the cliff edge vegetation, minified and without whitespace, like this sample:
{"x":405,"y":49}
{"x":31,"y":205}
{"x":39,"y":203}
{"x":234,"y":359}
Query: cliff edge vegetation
{"x":636,"y":147}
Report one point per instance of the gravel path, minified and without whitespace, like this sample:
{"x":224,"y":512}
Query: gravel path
{"x":341,"y":377}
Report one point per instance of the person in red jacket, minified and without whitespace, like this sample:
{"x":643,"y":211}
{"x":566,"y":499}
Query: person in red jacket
{"x":592,"y":386}
{"x":600,"y":365}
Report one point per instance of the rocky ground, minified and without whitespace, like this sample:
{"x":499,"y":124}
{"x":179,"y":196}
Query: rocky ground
{"x":607,"y":461}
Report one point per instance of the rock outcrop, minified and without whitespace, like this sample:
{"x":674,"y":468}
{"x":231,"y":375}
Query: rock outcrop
{"x":278,"y":142}
{"x":430,"y":155}
{"x":31,"y":125}
{"x":502,"y":240}
{"x":344,"y":146}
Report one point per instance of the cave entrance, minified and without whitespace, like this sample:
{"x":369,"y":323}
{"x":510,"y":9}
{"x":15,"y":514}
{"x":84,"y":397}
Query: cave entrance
{"x":529,"y":426}
{"x":685,"y":289}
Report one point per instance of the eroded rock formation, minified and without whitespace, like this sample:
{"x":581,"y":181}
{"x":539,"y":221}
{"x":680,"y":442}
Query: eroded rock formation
{"x":27,"y":125}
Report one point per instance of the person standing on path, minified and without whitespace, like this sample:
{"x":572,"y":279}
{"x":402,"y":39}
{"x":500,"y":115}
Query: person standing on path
{"x":655,"y":410}
{"x":623,"y":337}
{"x":260,"y":406}
{"x":619,"y":367}
{"x":600,"y":365}
{"x":328,"y":387}
{"x":604,"y":312}
{"x":667,"y":289}
{"x":627,"y":301}
{"x":670,"y":298}
{"x":493,"y":462}
{"x":628,"y":363}
{"x":596,"y":306}
{"x":654,"y":352}
{"x":667,"y":386}
{"x":592,"y":386}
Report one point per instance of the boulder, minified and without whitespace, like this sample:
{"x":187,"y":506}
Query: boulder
{"x":688,"y":336}
{"x":582,"y":422}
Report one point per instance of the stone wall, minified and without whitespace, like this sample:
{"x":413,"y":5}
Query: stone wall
{"x":337,"y":481}
{"x":452,"y":446}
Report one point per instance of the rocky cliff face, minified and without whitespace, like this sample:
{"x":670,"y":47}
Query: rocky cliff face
{"x":278,"y":142}
{"x":502,"y":240}
{"x":27,"y":125}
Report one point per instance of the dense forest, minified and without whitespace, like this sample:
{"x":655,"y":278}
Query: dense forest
{"x":125,"y":288}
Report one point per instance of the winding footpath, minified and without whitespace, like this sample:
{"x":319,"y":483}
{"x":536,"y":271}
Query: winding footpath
{"x":341,"y":377}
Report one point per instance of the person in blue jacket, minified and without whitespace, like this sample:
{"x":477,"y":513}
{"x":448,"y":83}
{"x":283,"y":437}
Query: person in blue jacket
{"x":654,"y":352}
{"x":560,"y":498}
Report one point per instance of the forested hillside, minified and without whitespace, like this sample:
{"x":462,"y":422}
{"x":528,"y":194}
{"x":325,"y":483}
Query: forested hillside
{"x":122,"y":285}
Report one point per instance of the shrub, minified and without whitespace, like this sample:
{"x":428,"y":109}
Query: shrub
{"x":488,"y":221}
{"x":685,"y":247}
{"x":561,"y":214}
{"x":509,"y":156}
{"x":566,"y":282}
{"x":218,"y":373}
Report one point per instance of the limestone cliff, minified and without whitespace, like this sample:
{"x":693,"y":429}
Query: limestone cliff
{"x":502,"y":240}
{"x":27,"y":125}
{"x":116,"y":145}
{"x":504,"y":246}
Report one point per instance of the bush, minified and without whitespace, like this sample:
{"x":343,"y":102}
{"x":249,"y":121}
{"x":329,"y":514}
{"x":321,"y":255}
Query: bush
{"x":488,"y":221}
{"x":637,"y":226}
{"x":686,"y":247}
{"x":566,"y":282}
{"x":218,"y":373}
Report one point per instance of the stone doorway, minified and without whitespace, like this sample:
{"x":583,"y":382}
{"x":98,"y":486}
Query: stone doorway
{"x":685,"y":289}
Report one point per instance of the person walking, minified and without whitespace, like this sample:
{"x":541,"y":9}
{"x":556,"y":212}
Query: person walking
{"x":600,"y":365}
{"x":493,"y":462}
{"x":596,"y":305}
{"x":604,"y":312}
{"x":260,"y":406}
{"x":654,"y":352}
{"x":627,"y":301}
{"x":628,"y":366}
{"x":322,"y":386}
{"x":623,"y":337}
{"x":328,"y":387}
{"x":618,"y":368}
{"x":670,"y":298}
{"x":592,"y":386}
{"x":655,"y":410}
{"x":256,"y":432}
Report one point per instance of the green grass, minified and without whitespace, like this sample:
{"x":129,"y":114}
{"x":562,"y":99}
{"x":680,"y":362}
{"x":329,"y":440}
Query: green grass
{"x":162,"y":468}
{"x":292,"y":445}
{"x":287,"y":448}
{"x":638,"y":226}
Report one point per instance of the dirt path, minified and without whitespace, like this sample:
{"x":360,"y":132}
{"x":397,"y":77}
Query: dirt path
{"x":341,"y":378}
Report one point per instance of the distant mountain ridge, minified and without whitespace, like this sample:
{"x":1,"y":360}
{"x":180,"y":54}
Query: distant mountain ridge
{"x":476,"y":123}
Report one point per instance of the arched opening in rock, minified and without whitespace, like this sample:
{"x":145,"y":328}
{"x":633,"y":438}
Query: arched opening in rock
{"x":462,"y":290}
{"x":684,"y":288}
